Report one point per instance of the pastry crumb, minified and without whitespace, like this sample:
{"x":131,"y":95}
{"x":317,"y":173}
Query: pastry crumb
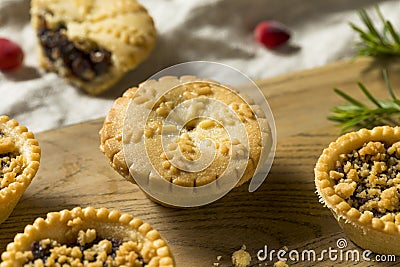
{"x":281,"y":264}
{"x":216,"y":264}
{"x":241,"y":258}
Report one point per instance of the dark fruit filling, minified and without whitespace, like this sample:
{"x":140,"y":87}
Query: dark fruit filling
{"x":11,"y":165}
{"x":83,"y":61}
{"x":39,"y":252}
{"x":5,"y":160}
{"x":88,"y":252}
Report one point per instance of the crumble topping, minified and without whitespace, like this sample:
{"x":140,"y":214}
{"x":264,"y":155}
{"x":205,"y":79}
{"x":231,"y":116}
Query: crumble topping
{"x":203,"y":125}
{"x":369,"y":179}
{"x":88,"y":250}
{"x":11,"y":162}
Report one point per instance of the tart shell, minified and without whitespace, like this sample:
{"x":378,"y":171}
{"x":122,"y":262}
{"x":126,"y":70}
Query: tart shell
{"x":364,"y":229}
{"x":64,"y":226}
{"x":28,"y":147}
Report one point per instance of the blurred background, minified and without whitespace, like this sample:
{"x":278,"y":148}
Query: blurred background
{"x":212,"y":30}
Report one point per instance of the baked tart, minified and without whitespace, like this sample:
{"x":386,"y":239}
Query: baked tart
{"x":358,"y":178}
{"x":197,"y":128}
{"x":92,"y":43}
{"x":88,"y":237}
{"x":19,"y":162}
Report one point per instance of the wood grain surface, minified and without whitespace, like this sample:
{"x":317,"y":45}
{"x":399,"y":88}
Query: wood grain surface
{"x":283,"y":213}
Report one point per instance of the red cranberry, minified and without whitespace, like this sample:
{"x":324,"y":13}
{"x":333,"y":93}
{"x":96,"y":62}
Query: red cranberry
{"x":271,"y":34}
{"x":11,"y":55}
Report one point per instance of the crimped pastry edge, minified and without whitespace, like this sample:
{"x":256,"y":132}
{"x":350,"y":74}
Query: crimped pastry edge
{"x":362,"y":228}
{"x":111,"y":134}
{"x":58,"y":224}
{"x":29,"y":148}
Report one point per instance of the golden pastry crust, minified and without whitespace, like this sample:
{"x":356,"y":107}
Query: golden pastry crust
{"x":111,"y":132}
{"x":138,"y":242}
{"x":356,"y":178}
{"x":121,"y":31}
{"x":19,"y":162}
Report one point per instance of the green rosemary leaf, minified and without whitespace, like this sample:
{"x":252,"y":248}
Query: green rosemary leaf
{"x":355,"y":114}
{"x":392,"y":32}
{"x":357,"y":121}
{"x":390,"y":104}
{"x":348,"y":98}
{"x":374,"y":42}
{"x":388,"y":86}
{"x":348,"y":109}
{"x":367,"y":21}
{"x":379,"y":12}
{"x":369,"y":96}
{"x":365,"y":36}
{"x":389,"y":51}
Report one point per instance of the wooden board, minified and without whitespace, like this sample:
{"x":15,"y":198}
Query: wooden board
{"x":283,"y":212}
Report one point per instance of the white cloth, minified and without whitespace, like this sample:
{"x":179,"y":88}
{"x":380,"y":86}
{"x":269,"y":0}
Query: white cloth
{"x":214,"y":30}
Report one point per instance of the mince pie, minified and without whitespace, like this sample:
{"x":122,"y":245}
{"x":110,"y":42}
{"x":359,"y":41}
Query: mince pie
{"x":358,"y":179}
{"x":88,"y":237}
{"x":187,"y":100}
{"x":19,"y":162}
{"x":92,"y":43}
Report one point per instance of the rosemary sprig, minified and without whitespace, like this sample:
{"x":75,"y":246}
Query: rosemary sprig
{"x":355,"y":114}
{"x":385,"y":42}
